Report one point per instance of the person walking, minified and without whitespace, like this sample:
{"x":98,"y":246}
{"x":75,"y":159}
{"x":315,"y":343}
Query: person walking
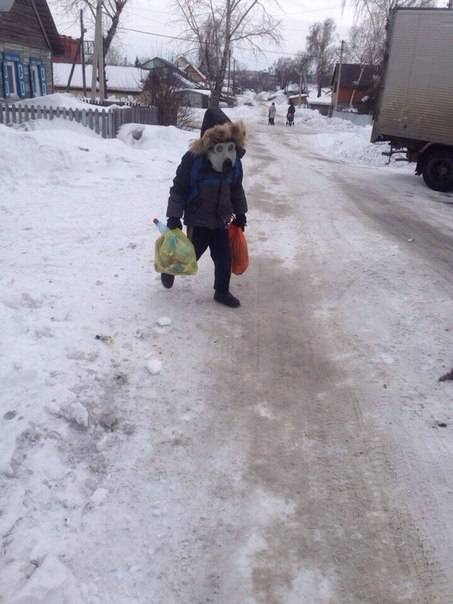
{"x":290,"y":114}
{"x":271,"y":114}
{"x":207,"y":193}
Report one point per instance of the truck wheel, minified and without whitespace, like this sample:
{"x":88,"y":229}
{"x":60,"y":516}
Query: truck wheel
{"x":438,"y":170}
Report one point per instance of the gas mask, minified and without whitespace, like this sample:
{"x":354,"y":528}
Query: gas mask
{"x":222,"y":156}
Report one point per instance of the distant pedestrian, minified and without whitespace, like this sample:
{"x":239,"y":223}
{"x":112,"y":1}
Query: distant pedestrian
{"x":290,"y":114}
{"x":271,"y":114}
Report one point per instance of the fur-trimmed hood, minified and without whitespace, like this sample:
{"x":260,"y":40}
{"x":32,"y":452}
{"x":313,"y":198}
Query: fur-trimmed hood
{"x":230,"y":131}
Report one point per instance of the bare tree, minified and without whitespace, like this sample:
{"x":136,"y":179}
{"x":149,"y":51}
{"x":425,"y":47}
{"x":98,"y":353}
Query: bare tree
{"x":289,"y":70}
{"x":321,"y":50}
{"x":161,"y":90}
{"x":115,"y":56}
{"x":366,"y":42}
{"x":216,"y":25}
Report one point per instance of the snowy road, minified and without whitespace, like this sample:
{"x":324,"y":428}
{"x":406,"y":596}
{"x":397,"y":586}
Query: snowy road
{"x":351,"y":369}
{"x":296,"y":451}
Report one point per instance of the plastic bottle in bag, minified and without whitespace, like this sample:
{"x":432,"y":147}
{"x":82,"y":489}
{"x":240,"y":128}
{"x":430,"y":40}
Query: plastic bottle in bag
{"x":161,"y":226}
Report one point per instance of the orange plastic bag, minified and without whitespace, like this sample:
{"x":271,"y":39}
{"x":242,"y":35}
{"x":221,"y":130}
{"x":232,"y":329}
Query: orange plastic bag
{"x":238,"y":249}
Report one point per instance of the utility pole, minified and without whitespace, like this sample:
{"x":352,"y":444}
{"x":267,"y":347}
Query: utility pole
{"x":450,"y":4}
{"x":98,"y":57}
{"x":234,"y":74}
{"x":229,"y":71}
{"x":301,"y":79}
{"x":339,"y":75}
{"x":82,"y":53}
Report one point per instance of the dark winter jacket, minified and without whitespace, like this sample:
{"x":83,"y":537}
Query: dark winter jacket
{"x":201,"y":195}
{"x":291,"y":110}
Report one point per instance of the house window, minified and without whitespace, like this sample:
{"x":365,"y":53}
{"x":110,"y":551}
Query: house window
{"x":12,"y":78}
{"x":35,"y":79}
{"x":37,"y":72}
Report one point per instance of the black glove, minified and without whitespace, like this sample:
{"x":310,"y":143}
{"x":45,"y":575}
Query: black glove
{"x":240,"y":221}
{"x":174,"y":223}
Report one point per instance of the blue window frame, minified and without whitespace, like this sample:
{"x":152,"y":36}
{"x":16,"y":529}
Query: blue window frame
{"x":37,"y":73}
{"x":12,"y":75}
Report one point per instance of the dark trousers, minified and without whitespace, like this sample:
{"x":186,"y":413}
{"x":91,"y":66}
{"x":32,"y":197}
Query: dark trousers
{"x":219,"y":247}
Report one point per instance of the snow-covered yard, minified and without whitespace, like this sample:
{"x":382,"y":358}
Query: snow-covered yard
{"x":76,"y":313}
{"x":158,"y":449}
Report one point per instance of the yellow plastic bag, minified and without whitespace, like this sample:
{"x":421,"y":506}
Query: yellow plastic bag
{"x":174,"y":254}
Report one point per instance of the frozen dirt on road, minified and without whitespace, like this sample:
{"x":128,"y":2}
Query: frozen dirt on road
{"x":289,"y":452}
{"x":375,"y":300}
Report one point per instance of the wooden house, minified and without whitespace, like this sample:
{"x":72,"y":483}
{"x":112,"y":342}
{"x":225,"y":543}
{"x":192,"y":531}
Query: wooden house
{"x":356,"y":82}
{"x":191,"y":71}
{"x":28,"y":38}
{"x":194,"y":94}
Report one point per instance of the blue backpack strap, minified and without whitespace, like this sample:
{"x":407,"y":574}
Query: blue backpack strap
{"x":194,"y":178}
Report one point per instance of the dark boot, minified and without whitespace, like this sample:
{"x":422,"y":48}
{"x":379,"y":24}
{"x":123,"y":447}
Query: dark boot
{"x":167,"y":280}
{"x":227,"y":299}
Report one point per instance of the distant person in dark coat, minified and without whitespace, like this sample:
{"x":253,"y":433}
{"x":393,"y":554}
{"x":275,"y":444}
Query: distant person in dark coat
{"x":271,"y":114}
{"x":290,"y":114}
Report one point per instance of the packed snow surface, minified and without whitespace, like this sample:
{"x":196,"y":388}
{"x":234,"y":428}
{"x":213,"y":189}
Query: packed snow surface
{"x":134,"y":423}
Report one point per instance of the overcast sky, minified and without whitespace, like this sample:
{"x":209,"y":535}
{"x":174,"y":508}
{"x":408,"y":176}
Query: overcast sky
{"x":160,"y":17}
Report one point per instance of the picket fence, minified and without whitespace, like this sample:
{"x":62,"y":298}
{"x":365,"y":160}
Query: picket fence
{"x":103,"y":122}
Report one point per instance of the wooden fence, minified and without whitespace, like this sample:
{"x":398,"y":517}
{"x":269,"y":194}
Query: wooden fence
{"x":103,"y":122}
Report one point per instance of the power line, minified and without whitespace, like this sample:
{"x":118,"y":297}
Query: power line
{"x":181,"y":39}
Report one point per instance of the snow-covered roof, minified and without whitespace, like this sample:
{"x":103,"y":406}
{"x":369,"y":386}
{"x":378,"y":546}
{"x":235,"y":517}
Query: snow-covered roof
{"x":199,"y":91}
{"x":187,"y":63}
{"x":119,"y":77}
{"x":324,"y":99}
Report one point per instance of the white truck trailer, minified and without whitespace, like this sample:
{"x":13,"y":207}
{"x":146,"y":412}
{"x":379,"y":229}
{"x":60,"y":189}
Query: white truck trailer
{"x":415,"y":105}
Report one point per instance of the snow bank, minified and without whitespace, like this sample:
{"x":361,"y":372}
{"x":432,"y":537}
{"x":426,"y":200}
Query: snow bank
{"x":156,"y":138}
{"x":58,"y":99}
{"x":344,"y":140}
{"x":77,"y":245}
{"x":353,"y":146}
{"x":248,"y":97}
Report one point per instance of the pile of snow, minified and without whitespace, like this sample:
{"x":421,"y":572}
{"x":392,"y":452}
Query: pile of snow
{"x":324,"y":99}
{"x":353,"y":146}
{"x":312,"y":118}
{"x":157,"y":139}
{"x":59,"y":99}
{"x":279,"y":97}
{"x":344,"y":140}
{"x":79,"y":307}
{"x":248,"y":97}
